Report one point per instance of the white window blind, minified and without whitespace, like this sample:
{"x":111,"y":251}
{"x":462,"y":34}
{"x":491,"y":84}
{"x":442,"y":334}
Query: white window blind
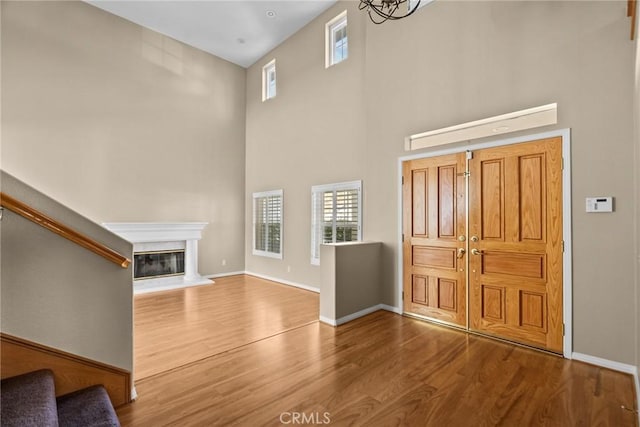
{"x":336,"y":215}
{"x":267,"y":224}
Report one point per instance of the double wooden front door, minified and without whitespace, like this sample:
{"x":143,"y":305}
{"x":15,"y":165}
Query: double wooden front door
{"x":483,"y":241}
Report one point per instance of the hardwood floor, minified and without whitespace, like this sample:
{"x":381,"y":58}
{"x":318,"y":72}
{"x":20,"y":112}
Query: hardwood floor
{"x":379,"y":370}
{"x":174,"y":328}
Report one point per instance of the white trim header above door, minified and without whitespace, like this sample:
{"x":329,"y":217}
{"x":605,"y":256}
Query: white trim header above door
{"x":498,"y":125}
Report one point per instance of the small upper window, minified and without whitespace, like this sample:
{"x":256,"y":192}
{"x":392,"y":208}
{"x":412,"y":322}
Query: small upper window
{"x":269,"y":80}
{"x":337,"y":47}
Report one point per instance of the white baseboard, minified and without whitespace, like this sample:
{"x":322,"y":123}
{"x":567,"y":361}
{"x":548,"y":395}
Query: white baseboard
{"x":284,"y":282}
{"x":217,"y":275}
{"x":605,"y":363}
{"x":328,"y":321}
{"x":616,"y":366}
{"x":391,"y":308}
{"x":358,"y":314}
{"x":353,"y":316}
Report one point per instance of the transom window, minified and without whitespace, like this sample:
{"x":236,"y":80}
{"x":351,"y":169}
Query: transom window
{"x":336,"y":215}
{"x":337,"y":46}
{"x":267,"y":224}
{"x":269,"y":80}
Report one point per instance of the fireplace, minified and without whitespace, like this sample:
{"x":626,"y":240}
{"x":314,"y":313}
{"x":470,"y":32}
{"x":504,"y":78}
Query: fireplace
{"x":165,"y":254}
{"x":147,"y":265}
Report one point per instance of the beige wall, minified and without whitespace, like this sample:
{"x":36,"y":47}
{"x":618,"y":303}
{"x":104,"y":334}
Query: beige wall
{"x":451,"y":63}
{"x":292,"y":139}
{"x":122,"y":124}
{"x":349,"y":279}
{"x":59,"y":294}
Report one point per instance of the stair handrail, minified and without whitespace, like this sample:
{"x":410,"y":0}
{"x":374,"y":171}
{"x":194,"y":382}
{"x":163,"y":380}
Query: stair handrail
{"x":60,"y":229}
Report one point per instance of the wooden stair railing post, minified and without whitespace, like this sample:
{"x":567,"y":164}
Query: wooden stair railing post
{"x":68,"y":233}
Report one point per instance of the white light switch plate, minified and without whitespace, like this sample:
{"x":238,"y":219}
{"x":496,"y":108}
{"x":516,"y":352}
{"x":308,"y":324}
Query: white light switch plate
{"x":599,"y":204}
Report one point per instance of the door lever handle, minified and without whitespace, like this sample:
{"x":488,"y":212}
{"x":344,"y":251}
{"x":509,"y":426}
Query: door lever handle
{"x":461,"y":252}
{"x":474,"y":251}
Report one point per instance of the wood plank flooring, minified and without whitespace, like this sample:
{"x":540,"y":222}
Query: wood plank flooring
{"x":174,"y":328}
{"x":379,"y":370}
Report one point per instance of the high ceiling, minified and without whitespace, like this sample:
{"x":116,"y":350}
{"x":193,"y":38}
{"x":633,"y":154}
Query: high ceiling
{"x":240,"y":31}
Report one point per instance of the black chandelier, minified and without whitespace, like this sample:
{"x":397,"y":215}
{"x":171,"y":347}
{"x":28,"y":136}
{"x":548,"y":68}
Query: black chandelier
{"x":382,"y":10}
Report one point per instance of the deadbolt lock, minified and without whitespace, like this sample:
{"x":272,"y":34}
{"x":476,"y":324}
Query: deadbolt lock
{"x":462,"y":238}
{"x":474,"y":238}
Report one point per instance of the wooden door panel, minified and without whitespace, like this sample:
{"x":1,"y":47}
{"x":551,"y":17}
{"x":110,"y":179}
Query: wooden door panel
{"x":420,"y":292}
{"x":447,"y":290}
{"x":446,"y":202}
{"x":532,"y":200}
{"x":525,"y":265}
{"x":492,"y":208}
{"x":428,"y":256}
{"x":516,"y":211}
{"x":533,"y":310}
{"x":419,"y":224}
{"x":493,"y":302}
{"x":433,"y":218}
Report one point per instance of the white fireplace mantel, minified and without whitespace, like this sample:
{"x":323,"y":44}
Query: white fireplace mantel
{"x":149,"y":236}
{"x":144,"y":232}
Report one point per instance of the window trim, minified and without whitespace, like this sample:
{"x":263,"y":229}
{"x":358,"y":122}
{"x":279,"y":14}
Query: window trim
{"x":266,"y":70}
{"x":266,"y":253}
{"x":330,"y":29}
{"x":318,"y":189}
{"x":411,"y":4}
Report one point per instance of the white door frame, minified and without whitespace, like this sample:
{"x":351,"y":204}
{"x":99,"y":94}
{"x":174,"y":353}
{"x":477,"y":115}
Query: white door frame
{"x":567,"y":278}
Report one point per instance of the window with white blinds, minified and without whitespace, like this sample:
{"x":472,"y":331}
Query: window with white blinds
{"x":267,"y":224}
{"x":336,"y":215}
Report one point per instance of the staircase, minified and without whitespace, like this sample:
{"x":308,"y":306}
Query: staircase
{"x":30,"y":400}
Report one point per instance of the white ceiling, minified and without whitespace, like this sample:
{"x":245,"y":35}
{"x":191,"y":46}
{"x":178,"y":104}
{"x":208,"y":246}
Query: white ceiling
{"x":239,"y":31}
